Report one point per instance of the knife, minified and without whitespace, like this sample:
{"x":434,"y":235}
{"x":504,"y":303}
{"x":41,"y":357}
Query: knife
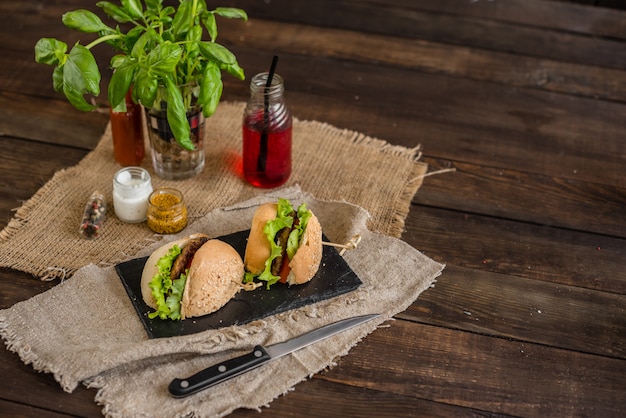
{"x":218,"y":373}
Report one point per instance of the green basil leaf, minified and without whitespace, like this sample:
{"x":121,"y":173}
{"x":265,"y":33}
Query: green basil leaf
{"x":231,"y":13}
{"x":177,"y":115}
{"x":211,"y":25}
{"x":80,"y":76}
{"x":118,"y":60}
{"x":133,"y":8}
{"x":84,"y":21}
{"x":131,"y":38}
{"x":145,"y":87}
{"x":236,"y":71}
{"x":211,"y":87}
{"x":182,"y":19}
{"x":153,"y":6}
{"x":163,"y":59}
{"x":195,"y":34}
{"x":57,"y":79}
{"x":165,"y":15}
{"x":114,"y":12}
{"x":120,"y":83}
{"x":50,"y":51}
{"x":216,"y":52}
{"x":75,"y":97}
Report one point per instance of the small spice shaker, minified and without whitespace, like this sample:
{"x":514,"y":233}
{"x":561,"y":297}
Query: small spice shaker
{"x":93,"y":216}
{"x":131,"y":189}
{"x":167,"y":213}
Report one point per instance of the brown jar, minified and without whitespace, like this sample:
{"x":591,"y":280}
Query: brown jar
{"x":167,"y":213}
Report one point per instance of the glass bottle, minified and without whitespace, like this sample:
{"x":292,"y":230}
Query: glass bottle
{"x":267,"y":127}
{"x":93,"y":216}
{"x":127,"y":132}
{"x":167,"y":212}
{"x":131,"y":189}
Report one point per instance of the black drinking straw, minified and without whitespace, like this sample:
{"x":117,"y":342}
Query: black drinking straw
{"x":262,"y":160}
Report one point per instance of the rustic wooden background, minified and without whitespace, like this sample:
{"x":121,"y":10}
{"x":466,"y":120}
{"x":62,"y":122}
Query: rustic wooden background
{"x":526,"y":99}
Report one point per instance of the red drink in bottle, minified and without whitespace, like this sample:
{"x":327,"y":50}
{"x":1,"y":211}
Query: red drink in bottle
{"x":272,"y":167}
{"x":267,"y":126}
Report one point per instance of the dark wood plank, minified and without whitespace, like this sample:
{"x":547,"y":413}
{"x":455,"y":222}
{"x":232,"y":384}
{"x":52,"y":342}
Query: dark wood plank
{"x":554,"y":201}
{"x":50,"y":121}
{"x":430,"y":57}
{"x":538,"y":252}
{"x":525,"y":310}
{"x":551,"y":15}
{"x":16,"y":410}
{"x":484,"y":373}
{"x":18,"y":186}
{"x":405,"y":21}
{"x":317,"y":398}
{"x":21,"y":385}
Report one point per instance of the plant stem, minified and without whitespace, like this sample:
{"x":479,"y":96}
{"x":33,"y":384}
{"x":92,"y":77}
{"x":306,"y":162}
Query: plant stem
{"x":103,"y":39}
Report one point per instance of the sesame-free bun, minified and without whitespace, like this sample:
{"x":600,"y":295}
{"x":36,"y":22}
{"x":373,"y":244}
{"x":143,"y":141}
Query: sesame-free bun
{"x":258,"y":247}
{"x":306,"y":261}
{"x":215,"y":276}
{"x":150,"y":268}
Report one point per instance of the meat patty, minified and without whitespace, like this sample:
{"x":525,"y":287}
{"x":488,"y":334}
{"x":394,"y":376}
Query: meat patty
{"x":184,"y":258}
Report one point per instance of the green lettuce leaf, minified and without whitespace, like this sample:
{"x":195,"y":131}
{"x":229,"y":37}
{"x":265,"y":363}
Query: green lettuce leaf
{"x":295,"y":236}
{"x":163,"y":288}
{"x":284,"y":219}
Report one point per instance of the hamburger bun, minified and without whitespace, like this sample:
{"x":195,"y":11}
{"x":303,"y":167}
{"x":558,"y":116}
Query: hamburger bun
{"x":258,"y":248}
{"x":214,"y":278}
{"x":307,"y":259}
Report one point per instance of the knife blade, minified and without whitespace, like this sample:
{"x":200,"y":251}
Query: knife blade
{"x":218,"y":373}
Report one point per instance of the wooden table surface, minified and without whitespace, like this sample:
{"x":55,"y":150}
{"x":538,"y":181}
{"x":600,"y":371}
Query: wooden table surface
{"x":526,"y":99}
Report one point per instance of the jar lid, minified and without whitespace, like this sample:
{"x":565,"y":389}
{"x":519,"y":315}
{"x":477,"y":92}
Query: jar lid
{"x":131,"y":181}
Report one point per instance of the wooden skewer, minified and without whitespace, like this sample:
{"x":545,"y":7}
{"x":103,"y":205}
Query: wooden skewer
{"x":350,"y":245}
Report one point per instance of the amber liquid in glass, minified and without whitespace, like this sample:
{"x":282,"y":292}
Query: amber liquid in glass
{"x":127,"y":132}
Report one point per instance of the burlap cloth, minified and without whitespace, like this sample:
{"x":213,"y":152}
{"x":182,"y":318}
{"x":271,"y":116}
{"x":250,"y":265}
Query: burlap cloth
{"x":330,"y":163}
{"x":86,"y":330}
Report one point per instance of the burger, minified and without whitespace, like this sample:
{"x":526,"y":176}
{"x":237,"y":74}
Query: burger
{"x":284,"y":244}
{"x":191,"y":277}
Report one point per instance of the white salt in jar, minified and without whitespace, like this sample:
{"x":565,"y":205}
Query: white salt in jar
{"x":131,"y":189}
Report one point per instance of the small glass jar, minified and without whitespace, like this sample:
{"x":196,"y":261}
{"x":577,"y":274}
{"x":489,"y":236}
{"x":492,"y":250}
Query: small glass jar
{"x":167,"y":213}
{"x":266,"y":133}
{"x":131,"y":189}
{"x":93,"y":216}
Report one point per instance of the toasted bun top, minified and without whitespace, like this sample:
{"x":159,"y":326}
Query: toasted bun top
{"x":258,"y":247}
{"x":150,"y":269}
{"x":215,"y":276}
{"x":306,"y":261}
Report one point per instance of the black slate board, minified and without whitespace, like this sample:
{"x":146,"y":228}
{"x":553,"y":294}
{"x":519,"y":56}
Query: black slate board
{"x":334,"y":278}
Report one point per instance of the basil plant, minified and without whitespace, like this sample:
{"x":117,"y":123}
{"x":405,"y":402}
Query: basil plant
{"x":163,"y":47}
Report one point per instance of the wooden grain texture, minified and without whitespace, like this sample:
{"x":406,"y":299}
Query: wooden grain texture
{"x":525,"y":99}
{"x":469,"y":369}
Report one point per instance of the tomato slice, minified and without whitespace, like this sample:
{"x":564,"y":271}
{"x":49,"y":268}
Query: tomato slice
{"x":284,"y":270}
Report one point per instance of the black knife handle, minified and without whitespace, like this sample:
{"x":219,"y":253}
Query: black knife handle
{"x":218,"y":373}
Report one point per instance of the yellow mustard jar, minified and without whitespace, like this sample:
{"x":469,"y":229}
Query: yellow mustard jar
{"x":167,"y":213}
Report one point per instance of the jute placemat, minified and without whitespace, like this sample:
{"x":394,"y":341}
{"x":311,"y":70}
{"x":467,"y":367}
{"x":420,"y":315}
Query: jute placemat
{"x":330,"y":163}
{"x":86,"y":330}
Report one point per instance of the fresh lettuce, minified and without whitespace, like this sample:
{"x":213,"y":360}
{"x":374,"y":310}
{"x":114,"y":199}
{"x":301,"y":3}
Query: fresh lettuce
{"x":284,"y":219}
{"x":295,"y":237}
{"x":167,"y":292}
